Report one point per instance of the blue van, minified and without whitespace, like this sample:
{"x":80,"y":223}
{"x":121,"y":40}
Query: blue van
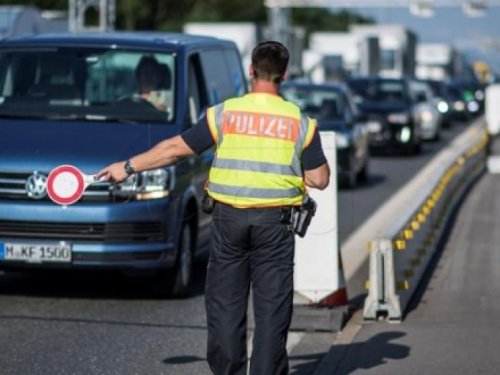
{"x":75,"y":99}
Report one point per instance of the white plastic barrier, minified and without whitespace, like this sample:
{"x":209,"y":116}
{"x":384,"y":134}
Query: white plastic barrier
{"x":492,"y":109}
{"x":317,"y":261}
{"x":399,"y":255}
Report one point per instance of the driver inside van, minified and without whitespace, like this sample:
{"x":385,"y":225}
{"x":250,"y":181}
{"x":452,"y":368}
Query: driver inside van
{"x":149,"y":76}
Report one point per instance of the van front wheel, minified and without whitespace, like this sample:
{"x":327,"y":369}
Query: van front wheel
{"x":176,"y":282}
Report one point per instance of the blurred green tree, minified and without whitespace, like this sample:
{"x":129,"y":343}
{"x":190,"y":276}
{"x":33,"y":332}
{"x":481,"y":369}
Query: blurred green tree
{"x":171,"y":15}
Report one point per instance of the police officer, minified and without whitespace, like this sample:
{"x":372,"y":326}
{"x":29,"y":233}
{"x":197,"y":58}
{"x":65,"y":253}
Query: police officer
{"x":267,"y":153}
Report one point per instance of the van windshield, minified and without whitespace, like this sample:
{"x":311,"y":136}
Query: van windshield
{"x":93,"y":84}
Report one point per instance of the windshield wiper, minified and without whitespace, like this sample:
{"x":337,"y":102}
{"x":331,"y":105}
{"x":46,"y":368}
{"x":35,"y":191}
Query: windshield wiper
{"x":66,"y":117}
{"x":38,"y":116}
{"x":20,"y":116}
{"x":100,"y":118}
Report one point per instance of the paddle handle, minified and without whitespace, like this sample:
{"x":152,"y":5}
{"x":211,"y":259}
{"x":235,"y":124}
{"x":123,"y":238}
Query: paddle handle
{"x":89,"y":179}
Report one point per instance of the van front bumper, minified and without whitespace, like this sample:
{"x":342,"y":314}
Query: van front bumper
{"x":122,"y":236}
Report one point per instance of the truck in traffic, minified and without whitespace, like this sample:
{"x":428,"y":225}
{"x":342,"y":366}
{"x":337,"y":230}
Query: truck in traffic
{"x":247,"y":35}
{"x":397,"y":48}
{"x":332,"y":56}
{"x":438,"y":61}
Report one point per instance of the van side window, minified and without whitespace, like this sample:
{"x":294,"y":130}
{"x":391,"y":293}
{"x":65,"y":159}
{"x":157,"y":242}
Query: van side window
{"x":219,"y":84}
{"x":236,"y":73}
{"x":197,"y":98}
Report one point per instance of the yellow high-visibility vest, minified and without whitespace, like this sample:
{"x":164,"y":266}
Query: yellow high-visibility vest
{"x":259,"y":138}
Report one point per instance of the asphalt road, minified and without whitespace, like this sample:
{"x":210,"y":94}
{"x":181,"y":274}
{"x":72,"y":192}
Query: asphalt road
{"x":451,"y":326}
{"x":387,"y":175}
{"x":96,"y":323}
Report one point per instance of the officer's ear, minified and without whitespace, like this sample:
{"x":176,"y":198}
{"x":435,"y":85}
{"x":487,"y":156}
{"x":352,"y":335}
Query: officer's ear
{"x":251,"y":71}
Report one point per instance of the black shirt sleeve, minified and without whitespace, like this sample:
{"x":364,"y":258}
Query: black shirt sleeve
{"x":313,"y":156}
{"x":198,"y":137}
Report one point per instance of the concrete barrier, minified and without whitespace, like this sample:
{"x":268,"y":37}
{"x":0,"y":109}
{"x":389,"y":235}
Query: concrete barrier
{"x":401,"y":251}
{"x":492,"y":109}
{"x":317,"y":254}
{"x":320,"y":294}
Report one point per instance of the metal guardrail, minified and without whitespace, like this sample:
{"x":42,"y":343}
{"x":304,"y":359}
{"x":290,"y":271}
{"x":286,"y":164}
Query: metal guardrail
{"x":402,"y":251}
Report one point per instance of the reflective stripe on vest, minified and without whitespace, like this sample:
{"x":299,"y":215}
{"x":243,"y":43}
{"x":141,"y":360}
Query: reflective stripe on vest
{"x":255,"y":193}
{"x":257,"y":162}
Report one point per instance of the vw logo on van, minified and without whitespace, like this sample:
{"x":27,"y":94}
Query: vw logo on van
{"x":36,"y":186}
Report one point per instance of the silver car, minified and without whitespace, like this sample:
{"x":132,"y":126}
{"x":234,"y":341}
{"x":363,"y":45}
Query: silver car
{"x":426,"y":113}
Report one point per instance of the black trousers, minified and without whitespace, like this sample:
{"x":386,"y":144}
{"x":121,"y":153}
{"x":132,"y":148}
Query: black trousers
{"x":250,"y":247}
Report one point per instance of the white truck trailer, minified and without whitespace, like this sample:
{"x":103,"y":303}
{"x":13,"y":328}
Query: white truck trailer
{"x":21,"y":20}
{"x":397,"y":48}
{"x":332,"y":55}
{"x":247,"y":35}
{"x":438,"y":61}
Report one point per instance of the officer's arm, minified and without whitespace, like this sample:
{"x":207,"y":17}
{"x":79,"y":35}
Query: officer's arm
{"x":315,"y":165}
{"x":164,"y":153}
{"x":195,"y":140}
{"x":318,"y":178}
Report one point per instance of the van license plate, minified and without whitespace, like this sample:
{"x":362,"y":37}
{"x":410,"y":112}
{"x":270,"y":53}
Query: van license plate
{"x":35,"y":253}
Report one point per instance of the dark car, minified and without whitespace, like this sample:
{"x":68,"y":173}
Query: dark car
{"x":389,"y":106}
{"x":467,"y":99}
{"x":74,"y":99}
{"x":332,"y":106}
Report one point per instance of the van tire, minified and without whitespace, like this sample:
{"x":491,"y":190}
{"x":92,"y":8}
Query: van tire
{"x":176,"y":282}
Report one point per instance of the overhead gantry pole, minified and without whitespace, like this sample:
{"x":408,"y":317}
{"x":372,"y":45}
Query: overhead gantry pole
{"x":105,"y":8}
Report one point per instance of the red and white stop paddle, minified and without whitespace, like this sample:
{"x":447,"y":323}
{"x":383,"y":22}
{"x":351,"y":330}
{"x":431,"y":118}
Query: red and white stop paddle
{"x":66,"y":184}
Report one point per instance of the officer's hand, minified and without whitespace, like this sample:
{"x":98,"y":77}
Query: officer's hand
{"x":113,"y":173}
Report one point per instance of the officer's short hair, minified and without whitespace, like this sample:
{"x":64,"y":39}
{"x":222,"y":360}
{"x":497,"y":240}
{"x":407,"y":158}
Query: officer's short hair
{"x":270,"y":61}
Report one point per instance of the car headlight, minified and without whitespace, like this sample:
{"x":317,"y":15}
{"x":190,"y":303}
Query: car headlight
{"x":153,"y":184}
{"x":405,"y":134}
{"x":459,"y":106}
{"x":341,"y":140}
{"x":399,"y":118}
{"x":443,"y":107}
{"x":473,"y":106}
{"x":426,"y":116}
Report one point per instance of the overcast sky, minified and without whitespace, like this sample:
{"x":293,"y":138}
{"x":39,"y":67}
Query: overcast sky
{"x":449,"y":25}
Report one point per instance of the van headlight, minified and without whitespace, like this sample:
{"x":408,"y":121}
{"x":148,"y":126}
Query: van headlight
{"x":341,"y":140}
{"x":153,"y":184}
